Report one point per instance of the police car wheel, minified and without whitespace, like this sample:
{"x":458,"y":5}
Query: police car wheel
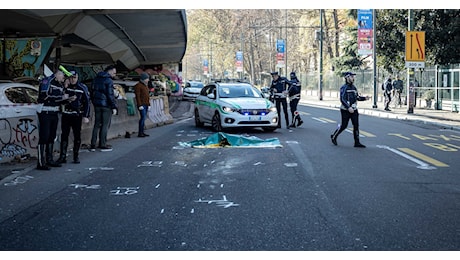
{"x":198,"y":122}
{"x":216,"y":123}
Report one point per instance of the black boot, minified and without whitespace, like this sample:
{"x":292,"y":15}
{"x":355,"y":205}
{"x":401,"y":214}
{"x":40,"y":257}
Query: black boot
{"x":356,"y":137}
{"x":293,"y":122}
{"x":299,"y":121}
{"x":41,"y":158}
{"x":76,"y":149}
{"x":63,"y":153}
{"x":287,"y":122}
{"x":49,"y":156}
{"x":334,"y":136}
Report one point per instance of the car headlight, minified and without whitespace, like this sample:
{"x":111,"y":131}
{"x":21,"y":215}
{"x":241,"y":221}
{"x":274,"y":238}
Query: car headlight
{"x":273,"y":109}
{"x":228,"y":109}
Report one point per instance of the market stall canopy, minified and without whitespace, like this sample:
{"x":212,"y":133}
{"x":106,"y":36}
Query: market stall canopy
{"x":132,"y":37}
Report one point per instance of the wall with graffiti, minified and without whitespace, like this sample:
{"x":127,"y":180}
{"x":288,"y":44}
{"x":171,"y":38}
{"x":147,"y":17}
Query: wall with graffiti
{"x":18,"y":137}
{"x":23,"y":57}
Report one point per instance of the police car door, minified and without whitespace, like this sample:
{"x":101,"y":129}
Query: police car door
{"x":210,"y":102}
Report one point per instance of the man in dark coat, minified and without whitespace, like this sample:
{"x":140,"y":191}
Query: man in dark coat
{"x":105,"y":105}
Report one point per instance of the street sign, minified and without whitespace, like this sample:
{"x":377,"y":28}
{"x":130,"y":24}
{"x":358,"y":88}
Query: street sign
{"x":415,"y":46}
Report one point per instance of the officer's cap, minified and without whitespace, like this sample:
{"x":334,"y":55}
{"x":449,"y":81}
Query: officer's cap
{"x":274,"y":73}
{"x":348,"y":74}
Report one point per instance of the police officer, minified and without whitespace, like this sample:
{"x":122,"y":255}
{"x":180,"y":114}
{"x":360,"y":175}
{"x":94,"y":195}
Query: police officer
{"x":348,"y":109}
{"x":278,"y":90}
{"x":294,"y":98}
{"x":73,"y":114}
{"x":51,"y":95}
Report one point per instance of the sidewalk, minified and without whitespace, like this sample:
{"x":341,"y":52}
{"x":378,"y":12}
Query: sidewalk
{"x":182,"y":109}
{"x":442,"y":118}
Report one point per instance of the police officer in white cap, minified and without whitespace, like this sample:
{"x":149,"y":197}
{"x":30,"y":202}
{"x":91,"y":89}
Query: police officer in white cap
{"x":349,"y":98}
{"x":278,"y":90}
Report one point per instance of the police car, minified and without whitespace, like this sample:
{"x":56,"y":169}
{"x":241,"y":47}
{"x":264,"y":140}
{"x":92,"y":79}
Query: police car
{"x":233,"y":104}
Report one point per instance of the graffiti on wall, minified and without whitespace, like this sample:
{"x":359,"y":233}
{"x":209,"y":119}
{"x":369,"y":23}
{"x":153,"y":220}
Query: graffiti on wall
{"x":20,"y":58}
{"x":17,"y":135}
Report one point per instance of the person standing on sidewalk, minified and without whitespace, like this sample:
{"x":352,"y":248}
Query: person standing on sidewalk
{"x":278,"y":90}
{"x":141,"y":91}
{"x":51,"y":95}
{"x":294,"y":98}
{"x":105,"y":105}
{"x":73,"y":114}
{"x":387,"y":88}
{"x":398,"y":87}
{"x":349,"y":98}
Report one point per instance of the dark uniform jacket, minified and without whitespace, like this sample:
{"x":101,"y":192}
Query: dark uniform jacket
{"x":80,"y":106}
{"x":294,"y":89}
{"x":50,"y":92}
{"x":278,"y":86}
{"x":349,"y":97}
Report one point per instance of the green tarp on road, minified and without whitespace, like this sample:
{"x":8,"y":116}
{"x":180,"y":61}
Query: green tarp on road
{"x":219,"y":140}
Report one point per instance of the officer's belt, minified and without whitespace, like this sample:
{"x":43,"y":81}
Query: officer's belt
{"x":47,"y":108}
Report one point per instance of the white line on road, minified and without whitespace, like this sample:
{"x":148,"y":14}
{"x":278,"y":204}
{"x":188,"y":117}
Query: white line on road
{"x":421,"y":165}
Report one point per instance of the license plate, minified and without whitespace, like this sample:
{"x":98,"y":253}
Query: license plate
{"x":255,"y":118}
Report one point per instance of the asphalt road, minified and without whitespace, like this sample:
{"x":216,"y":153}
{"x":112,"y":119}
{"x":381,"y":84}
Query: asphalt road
{"x":400,"y":193}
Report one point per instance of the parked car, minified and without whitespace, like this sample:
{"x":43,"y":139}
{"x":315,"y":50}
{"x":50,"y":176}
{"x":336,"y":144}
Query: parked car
{"x":192,"y":90}
{"x":232,"y":105}
{"x":18,"y":100}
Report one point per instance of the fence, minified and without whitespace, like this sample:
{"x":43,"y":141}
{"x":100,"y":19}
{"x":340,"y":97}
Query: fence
{"x":438,"y":87}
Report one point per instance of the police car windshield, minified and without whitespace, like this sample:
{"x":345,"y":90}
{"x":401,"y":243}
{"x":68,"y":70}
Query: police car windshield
{"x":238,"y":91}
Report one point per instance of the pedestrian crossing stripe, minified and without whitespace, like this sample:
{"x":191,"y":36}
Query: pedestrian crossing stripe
{"x":327,"y":120}
{"x":367,"y":134}
{"x":304,"y":113}
{"x":423,"y":157}
{"x":361,"y":133}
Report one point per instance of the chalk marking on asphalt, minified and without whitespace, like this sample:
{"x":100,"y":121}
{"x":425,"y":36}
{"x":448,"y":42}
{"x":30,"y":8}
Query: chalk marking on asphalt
{"x":220,"y":203}
{"x":421,"y":164}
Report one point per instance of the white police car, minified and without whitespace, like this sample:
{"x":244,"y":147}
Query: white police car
{"x":234,"y":104}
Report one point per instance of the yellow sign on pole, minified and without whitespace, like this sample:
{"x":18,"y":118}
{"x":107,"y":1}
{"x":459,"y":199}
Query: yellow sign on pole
{"x":415,"y":46}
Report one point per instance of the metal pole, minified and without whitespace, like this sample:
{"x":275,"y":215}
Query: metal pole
{"x":374,"y":56}
{"x":285,"y":45}
{"x":410,"y":72}
{"x":320,"y":83}
{"x":242,"y":53}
